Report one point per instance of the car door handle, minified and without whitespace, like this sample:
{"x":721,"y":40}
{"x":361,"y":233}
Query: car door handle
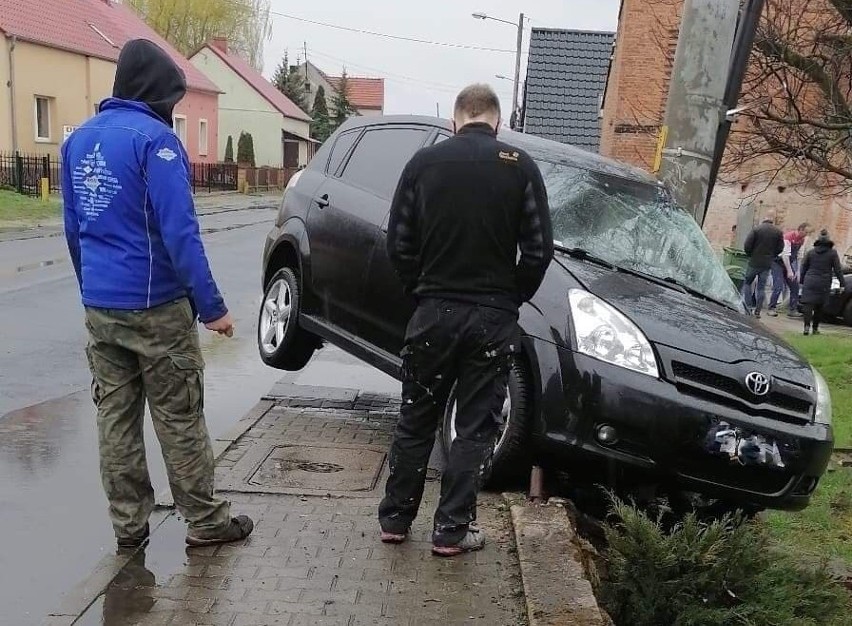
{"x":322,"y":201}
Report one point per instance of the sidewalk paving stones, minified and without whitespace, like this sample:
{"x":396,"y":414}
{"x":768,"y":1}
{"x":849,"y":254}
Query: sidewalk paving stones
{"x":312,"y":479}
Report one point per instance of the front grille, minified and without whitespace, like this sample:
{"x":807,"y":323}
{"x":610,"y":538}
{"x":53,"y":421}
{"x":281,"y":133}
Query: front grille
{"x":789,"y":403}
{"x":693,"y":374}
{"x":726,"y":389}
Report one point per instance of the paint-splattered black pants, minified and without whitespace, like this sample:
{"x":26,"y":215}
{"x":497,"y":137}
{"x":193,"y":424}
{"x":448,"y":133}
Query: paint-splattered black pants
{"x":447,"y":342}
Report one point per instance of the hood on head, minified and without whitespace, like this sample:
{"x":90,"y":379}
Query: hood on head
{"x":147,"y":74}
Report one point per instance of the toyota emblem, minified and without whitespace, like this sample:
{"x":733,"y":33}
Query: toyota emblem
{"x":757,"y":383}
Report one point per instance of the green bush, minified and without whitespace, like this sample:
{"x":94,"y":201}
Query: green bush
{"x":229,"y":150}
{"x":706,"y":574}
{"x":245,"y":149}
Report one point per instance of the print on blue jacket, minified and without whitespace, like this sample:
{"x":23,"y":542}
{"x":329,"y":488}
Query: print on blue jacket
{"x":130,"y":220}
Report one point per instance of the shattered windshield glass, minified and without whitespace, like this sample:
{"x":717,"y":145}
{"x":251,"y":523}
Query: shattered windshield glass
{"x":635,"y":226}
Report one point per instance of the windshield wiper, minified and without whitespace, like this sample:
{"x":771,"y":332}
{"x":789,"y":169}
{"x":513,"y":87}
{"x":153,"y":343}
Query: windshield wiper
{"x":697,"y":293}
{"x":585,"y":255}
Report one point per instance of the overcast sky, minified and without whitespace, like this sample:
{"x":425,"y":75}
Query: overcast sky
{"x":417,"y":76}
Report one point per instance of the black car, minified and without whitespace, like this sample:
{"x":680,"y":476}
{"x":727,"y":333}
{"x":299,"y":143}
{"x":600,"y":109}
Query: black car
{"x":639,"y":359}
{"x":840,"y":301}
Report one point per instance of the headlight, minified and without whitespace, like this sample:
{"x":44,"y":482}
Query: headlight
{"x":603,"y":333}
{"x":822,"y":414}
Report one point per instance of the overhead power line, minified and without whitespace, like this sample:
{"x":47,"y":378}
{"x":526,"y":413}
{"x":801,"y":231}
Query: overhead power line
{"x":374,"y":33}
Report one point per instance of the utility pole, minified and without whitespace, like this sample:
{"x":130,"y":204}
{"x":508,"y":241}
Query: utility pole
{"x":513,"y":120}
{"x":696,"y":100}
{"x":746,"y":32}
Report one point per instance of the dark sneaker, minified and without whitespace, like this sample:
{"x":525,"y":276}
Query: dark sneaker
{"x":239,"y":528}
{"x":771,"y":313}
{"x":816,"y":331}
{"x":807,"y":330}
{"x":474,"y":540}
{"x":757,"y":314}
{"x":136,"y":540}
{"x":387,"y":537}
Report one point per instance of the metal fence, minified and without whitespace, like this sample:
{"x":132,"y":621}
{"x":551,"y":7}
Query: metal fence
{"x":23,"y":172}
{"x":214,"y":176}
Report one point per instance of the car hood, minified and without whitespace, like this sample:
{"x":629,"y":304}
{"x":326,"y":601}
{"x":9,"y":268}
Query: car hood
{"x":684,"y":322}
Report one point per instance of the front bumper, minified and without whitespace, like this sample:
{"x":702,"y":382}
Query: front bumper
{"x":663,"y":431}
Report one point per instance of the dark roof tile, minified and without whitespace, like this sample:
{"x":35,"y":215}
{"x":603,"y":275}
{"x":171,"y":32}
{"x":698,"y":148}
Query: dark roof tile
{"x":566,"y":77}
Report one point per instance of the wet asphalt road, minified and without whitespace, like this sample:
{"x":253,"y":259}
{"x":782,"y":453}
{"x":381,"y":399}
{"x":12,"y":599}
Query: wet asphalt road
{"x":52,"y":510}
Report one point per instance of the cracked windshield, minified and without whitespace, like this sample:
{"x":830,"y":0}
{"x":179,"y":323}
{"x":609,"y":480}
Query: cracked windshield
{"x":634,"y":226}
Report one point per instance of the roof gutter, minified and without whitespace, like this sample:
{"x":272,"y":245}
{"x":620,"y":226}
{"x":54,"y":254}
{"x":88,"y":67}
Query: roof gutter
{"x":13,"y":41}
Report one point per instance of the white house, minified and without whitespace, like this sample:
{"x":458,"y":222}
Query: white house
{"x":250,"y":103}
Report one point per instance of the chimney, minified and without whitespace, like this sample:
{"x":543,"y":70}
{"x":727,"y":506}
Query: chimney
{"x":220,"y":43}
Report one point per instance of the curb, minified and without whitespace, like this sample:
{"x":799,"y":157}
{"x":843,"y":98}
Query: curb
{"x":556,"y":589}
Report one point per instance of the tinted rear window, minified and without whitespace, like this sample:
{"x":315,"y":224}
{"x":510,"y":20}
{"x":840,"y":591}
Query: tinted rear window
{"x":380,"y":156}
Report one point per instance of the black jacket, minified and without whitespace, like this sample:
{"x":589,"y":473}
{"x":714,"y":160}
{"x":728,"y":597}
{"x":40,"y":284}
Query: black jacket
{"x":763,"y":244}
{"x":818,"y":267}
{"x":461,"y":211}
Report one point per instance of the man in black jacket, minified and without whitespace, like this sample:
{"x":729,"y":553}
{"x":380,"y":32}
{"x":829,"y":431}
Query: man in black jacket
{"x":763,"y":244}
{"x":462,"y":211}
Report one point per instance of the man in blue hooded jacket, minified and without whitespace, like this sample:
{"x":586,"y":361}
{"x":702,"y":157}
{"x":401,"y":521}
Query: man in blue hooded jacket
{"x":136,"y":247}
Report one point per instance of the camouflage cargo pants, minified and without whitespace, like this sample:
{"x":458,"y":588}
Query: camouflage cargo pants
{"x":152,"y":355}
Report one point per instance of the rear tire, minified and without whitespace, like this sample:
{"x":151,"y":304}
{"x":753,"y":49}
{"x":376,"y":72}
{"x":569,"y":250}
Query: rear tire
{"x":282,"y":343}
{"x":512,"y":458}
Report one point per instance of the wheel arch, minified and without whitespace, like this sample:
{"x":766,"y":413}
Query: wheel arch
{"x":292,"y":249}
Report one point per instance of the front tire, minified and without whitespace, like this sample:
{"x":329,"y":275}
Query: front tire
{"x":282,"y":343}
{"x":512,"y":456}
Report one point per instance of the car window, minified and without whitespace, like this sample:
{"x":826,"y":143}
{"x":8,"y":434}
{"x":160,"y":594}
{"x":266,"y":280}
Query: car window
{"x":341,"y":147}
{"x":380,"y":156}
{"x":439,"y":138}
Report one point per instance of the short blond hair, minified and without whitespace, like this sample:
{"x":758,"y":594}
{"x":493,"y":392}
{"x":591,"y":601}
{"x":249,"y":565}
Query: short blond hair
{"x":476,"y":100}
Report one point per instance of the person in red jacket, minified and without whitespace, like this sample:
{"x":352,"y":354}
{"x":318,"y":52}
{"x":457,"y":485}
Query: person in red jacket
{"x":785,"y":271}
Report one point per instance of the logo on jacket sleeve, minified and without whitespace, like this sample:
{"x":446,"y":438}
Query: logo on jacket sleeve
{"x":509,"y":156}
{"x":167,"y":154}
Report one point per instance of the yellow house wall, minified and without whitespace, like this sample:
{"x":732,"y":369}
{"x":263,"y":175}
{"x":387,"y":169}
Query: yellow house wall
{"x":74,"y":83}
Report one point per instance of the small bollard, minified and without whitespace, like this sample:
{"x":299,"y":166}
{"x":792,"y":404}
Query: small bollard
{"x":45,"y":189}
{"x":536,"y":485}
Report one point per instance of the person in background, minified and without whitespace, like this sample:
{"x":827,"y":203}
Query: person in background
{"x":135,"y":244}
{"x":819,"y":266}
{"x":763,"y":244}
{"x":785,"y":271}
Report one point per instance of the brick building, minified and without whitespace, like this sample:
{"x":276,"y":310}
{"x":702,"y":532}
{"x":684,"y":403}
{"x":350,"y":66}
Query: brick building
{"x":633,"y":110}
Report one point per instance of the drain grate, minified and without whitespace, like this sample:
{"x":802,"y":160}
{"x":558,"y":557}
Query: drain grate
{"x":306,"y":469}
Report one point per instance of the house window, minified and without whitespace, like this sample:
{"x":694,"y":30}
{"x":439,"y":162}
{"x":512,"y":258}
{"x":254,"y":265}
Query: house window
{"x":42,"y":118}
{"x":202,"y":137}
{"x":180,"y":128}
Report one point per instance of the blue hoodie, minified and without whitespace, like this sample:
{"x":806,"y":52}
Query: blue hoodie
{"x":130,"y":222}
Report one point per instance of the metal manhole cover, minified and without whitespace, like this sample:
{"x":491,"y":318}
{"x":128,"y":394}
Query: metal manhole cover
{"x":319,"y":468}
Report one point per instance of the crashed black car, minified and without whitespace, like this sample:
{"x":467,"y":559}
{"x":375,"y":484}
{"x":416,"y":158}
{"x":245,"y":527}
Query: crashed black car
{"x":639,"y":360}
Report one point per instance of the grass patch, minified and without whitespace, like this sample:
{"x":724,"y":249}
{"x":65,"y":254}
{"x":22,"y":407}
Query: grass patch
{"x":16,"y":209}
{"x":824,"y":529}
{"x":832,"y":356}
